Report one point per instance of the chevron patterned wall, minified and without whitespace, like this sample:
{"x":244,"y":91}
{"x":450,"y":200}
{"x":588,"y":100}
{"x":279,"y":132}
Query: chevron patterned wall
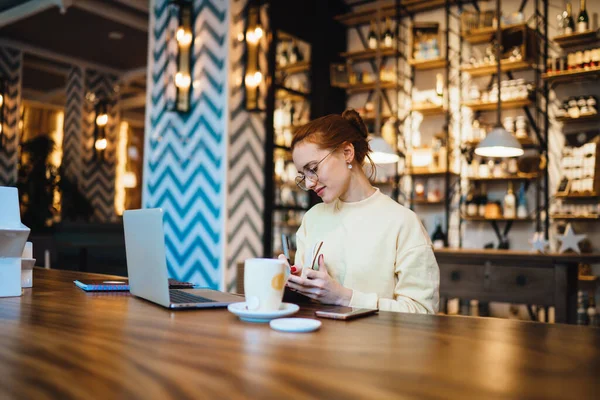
{"x":11,"y":67}
{"x":184,"y":167}
{"x":73,"y":118}
{"x":245,"y":181}
{"x":98,"y":175}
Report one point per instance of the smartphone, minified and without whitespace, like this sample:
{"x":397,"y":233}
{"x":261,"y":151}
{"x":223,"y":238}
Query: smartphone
{"x":285,"y":243}
{"x":345,"y":313}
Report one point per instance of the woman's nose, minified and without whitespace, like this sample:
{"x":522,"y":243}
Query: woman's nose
{"x":311,"y":184}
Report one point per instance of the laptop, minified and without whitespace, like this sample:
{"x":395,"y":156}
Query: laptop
{"x":147,"y":266}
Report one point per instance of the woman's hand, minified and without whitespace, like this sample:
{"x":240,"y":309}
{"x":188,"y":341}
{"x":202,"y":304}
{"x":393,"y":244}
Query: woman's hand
{"x":319,"y":285}
{"x":294,"y":269}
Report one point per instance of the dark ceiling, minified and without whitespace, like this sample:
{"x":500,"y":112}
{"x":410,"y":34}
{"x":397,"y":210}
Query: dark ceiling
{"x":80,"y":34}
{"x":6,"y":4}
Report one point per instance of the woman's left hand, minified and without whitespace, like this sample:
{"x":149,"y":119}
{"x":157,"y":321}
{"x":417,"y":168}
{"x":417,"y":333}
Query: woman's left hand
{"x":319,"y":285}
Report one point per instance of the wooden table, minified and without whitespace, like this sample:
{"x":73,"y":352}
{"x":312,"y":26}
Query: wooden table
{"x":513,"y":277}
{"x":60,"y":342}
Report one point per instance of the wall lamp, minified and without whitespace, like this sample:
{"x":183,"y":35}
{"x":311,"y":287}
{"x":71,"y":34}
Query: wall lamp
{"x":100,"y":122}
{"x":2,"y":102}
{"x":253,"y":77}
{"x":179,"y":42}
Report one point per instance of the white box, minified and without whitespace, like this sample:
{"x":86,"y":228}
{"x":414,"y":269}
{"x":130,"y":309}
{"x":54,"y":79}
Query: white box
{"x":27,"y":272}
{"x":13,"y":236}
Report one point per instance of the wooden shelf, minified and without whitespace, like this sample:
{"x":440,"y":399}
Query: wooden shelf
{"x":567,"y":217}
{"x":371,"y":118}
{"x":425,"y":174}
{"x":569,"y":76}
{"x":425,"y":202}
{"x":586,"y":118}
{"x":506,"y":105}
{"x":467,"y":218}
{"x":505,"y":65}
{"x":284,"y":148}
{"x":388,"y":10}
{"x":529,"y":177}
{"x":369,"y":54}
{"x":525,"y":142}
{"x":289,"y":208}
{"x":576,"y":39}
{"x":284,"y":93}
{"x":582,"y":196}
{"x":367,"y":87}
{"x":296,"y":68}
{"x":429,"y":109}
{"x":422,"y":65}
{"x":486,"y":35}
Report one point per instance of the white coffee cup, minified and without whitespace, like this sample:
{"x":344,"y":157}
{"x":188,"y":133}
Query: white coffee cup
{"x":264,"y":282}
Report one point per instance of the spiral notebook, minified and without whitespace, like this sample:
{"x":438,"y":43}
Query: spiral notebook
{"x":122,"y":285}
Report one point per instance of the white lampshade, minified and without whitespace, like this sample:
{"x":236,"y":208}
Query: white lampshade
{"x":499,"y":143}
{"x":382,"y":152}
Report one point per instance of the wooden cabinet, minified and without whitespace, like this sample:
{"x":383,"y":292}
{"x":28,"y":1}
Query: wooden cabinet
{"x":513,"y":277}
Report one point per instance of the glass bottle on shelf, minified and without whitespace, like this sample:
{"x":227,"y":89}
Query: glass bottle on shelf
{"x":510,"y":203}
{"x":438,"y":238}
{"x":582,"y":317}
{"x":472,"y":208}
{"x":591,"y":311}
{"x":522,"y":211}
{"x":295,"y":54}
{"x":283,"y":56}
{"x":568,"y":22}
{"x":388,"y":35}
{"x":583,"y":21}
{"x":372,"y":37}
{"x":483,"y":200}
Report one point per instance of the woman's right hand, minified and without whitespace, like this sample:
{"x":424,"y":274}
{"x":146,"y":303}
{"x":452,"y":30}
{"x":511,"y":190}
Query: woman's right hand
{"x":294,"y":269}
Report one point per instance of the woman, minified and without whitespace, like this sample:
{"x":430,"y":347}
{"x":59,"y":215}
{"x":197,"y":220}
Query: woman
{"x":375,"y":253}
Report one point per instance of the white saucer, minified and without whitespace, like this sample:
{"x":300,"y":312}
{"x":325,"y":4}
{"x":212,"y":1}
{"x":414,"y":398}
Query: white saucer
{"x":242,"y":311}
{"x":295,"y":324}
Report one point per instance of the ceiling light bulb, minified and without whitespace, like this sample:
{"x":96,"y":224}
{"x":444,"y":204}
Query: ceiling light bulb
{"x":184,"y":37}
{"x":258,"y":32}
{"x":102,"y":119}
{"x":182,"y":81}
{"x":101,"y":144}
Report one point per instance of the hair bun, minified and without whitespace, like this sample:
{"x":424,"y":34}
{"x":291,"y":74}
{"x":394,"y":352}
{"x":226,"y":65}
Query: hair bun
{"x":354,"y":118}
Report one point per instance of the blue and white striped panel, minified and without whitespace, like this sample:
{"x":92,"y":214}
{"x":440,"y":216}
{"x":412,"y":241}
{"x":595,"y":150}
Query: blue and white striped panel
{"x":11,"y":70}
{"x":98,"y":175}
{"x":184,"y":165}
{"x":245,"y":184}
{"x":73,"y":117}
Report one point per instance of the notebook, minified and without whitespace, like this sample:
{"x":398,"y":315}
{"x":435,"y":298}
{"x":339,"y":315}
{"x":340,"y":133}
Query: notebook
{"x":121,"y":285}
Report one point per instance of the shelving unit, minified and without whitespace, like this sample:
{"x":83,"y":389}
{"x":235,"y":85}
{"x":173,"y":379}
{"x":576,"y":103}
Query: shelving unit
{"x":506,"y":65}
{"x":429,"y":110}
{"x":532,"y":177}
{"x":506,"y":105}
{"x":487,"y":34}
{"x":424,"y":65}
{"x":534,"y":56}
{"x":484,"y":219}
{"x":577,"y":39}
{"x":582,"y":76}
{"x":581,"y":119}
{"x":288,"y":106}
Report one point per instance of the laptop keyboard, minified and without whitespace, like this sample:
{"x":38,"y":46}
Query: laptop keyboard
{"x":179,"y":297}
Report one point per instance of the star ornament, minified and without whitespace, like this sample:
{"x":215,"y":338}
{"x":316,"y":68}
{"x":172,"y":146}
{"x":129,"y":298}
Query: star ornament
{"x":539,"y":243}
{"x":570,"y":240}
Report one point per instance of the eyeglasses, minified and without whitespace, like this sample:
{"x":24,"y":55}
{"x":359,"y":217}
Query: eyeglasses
{"x":310,"y":173}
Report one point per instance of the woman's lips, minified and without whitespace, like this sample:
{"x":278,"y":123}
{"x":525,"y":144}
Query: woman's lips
{"x":320,"y":191}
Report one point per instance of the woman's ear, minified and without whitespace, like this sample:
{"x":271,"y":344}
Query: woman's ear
{"x":348,"y":149}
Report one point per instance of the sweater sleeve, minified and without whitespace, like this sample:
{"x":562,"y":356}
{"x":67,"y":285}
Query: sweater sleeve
{"x":417,"y":284}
